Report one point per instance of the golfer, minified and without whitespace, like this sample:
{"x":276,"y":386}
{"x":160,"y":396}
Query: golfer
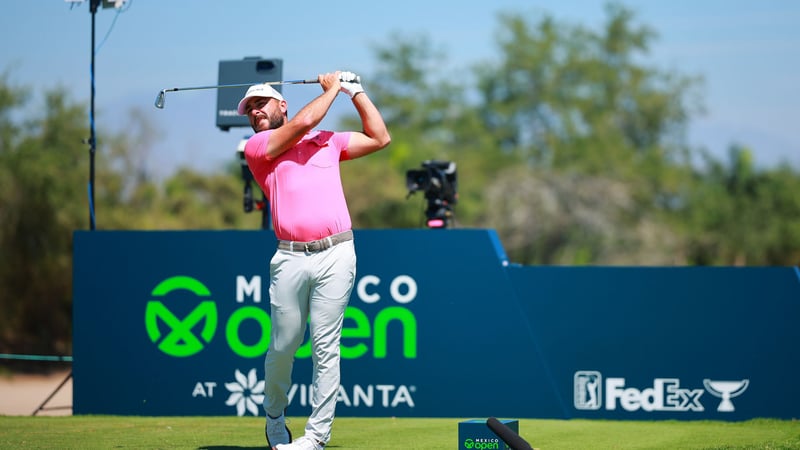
{"x":314,"y":267}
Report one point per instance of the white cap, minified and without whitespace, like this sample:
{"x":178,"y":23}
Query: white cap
{"x":258,"y":90}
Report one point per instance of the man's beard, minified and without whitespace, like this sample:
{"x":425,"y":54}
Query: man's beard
{"x":275,"y":120}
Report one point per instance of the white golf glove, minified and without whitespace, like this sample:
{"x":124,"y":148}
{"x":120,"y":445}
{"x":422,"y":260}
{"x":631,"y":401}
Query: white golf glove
{"x":351,"y":83}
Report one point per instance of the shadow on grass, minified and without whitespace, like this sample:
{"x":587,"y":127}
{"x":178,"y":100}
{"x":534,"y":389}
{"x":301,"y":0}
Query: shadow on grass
{"x":228,"y":447}
{"x":238,"y":447}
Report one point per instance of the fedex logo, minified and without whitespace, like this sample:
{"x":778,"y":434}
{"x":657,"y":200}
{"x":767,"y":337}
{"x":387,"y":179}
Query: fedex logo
{"x":666,"y":394}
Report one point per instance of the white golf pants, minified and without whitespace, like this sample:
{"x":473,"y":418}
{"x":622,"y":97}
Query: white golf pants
{"x":311,"y":288}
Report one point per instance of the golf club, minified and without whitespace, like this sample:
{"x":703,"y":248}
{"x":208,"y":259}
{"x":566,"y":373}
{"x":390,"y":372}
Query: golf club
{"x":161,"y":95}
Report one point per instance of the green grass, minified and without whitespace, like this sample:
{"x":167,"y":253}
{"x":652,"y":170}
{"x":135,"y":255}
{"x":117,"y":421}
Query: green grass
{"x":229,"y":433}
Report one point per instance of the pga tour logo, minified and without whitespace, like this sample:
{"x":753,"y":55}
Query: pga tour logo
{"x":666,"y":394}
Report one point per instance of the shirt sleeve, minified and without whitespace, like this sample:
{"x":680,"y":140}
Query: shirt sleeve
{"x":342,"y":140}
{"x":256,"y":146}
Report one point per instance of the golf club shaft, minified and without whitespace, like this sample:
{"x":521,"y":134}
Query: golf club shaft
{"x":160,"y":98}
{"x":220,"y":86}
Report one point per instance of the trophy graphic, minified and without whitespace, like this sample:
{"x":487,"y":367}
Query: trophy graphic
{"x":726,"y":390}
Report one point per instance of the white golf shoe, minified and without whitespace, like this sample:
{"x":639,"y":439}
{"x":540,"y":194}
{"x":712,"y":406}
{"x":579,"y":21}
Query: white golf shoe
{"x":303,"y":443}
{"x":276,"y":431}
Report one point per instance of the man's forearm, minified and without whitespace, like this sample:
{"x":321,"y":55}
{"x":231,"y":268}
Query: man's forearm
{"x":313,"y":113}
{"x":371,"y":119}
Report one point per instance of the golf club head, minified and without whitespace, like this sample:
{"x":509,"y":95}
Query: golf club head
{"x":160,"y":99}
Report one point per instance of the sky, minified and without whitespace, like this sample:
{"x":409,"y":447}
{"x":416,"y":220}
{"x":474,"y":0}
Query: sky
{"x":747,"y":52}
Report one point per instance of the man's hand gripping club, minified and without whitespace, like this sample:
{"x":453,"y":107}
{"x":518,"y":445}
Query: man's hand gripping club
{"x":351,"y":83}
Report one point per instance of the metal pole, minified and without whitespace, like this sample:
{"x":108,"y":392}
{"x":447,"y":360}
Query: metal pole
{"x":53,"y":394}
{"x":93,"y":4}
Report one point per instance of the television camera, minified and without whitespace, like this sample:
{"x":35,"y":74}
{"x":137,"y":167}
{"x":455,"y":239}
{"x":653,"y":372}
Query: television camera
{"x":439,"y":182}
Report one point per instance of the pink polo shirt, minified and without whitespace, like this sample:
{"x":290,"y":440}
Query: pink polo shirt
{"x":303,"y":184}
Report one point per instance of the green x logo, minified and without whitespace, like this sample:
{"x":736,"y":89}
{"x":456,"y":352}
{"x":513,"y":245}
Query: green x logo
{"x":180,"y":341}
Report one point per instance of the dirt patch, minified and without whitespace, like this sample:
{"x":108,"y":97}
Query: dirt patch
{"x":23,"y":394}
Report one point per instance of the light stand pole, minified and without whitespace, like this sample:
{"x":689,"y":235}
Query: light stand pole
{"x":93,"y":4}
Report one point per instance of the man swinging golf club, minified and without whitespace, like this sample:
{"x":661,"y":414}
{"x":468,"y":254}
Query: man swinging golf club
{"x":313,"y":269}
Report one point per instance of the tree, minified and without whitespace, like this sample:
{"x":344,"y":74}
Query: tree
{"x":571,"y":106}
{"x":129,"y":197}
{"x":565,"y":96}
{"x":44,"y":199}
{"x":430,"y":118}
{"x":738,"y":215}
{"x":582,"y":111}
{"x":41,"y":174}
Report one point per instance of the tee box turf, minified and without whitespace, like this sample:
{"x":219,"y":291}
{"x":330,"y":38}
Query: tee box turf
{"x":475,"y":435}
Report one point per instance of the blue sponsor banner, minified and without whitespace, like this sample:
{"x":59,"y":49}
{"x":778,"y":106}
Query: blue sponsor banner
{"x":439,"y":325}
{"x":666,"y":343}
